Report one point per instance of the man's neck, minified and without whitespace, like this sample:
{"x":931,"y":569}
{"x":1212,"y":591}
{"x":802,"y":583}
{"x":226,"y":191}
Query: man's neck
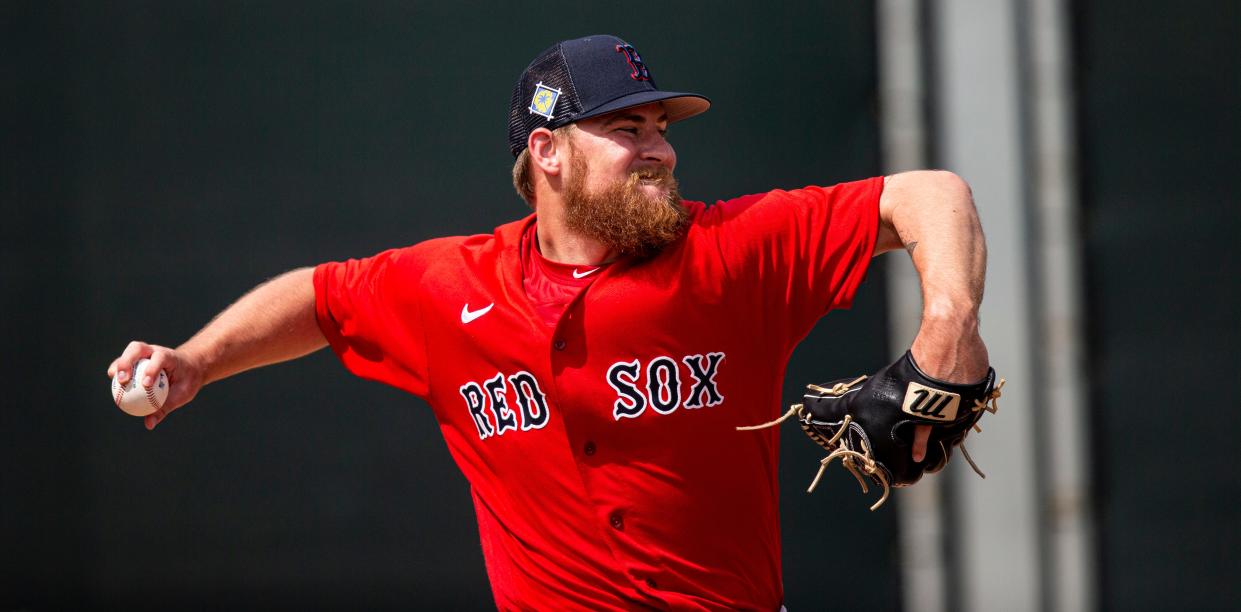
{"x":560,"y":244}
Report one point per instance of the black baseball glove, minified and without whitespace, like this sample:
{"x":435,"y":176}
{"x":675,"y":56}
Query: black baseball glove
{"x":868,"y":422}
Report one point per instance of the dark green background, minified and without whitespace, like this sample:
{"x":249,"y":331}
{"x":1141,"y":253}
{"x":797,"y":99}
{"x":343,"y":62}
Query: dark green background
{"x":1159,"y":122}
{"x":162,"y":158}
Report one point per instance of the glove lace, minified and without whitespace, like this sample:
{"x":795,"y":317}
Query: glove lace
{"x":989,"y":403}
{"x":966,"y":453}
{"x":838,"y":388}
{"x":847,"y":457}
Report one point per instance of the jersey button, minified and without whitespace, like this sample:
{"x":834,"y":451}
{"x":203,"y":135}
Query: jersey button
{"x":616,"y":521}
{"x":559,"y":344}
{"x":589,"y":449}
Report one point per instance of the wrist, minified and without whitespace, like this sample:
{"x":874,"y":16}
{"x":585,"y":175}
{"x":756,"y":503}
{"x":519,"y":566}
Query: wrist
{"x":198,"y":354}
{"x":952,"y":352}
{"x":950,"y":315}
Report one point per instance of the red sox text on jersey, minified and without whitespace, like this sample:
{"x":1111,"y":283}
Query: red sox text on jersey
{"x":491,"y":404}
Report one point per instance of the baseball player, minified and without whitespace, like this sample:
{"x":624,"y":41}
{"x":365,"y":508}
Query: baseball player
{"x":589,"y":363}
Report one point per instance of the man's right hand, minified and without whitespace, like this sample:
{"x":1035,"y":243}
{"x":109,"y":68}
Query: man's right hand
{"x":185,"y":375}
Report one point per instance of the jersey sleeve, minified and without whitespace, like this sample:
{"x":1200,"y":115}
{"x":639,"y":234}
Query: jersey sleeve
{"x":803,"y":251}
{"x":370,"y":312}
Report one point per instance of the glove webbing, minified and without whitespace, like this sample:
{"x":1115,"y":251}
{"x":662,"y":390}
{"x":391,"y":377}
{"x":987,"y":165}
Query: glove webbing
{"x":846,"y":455}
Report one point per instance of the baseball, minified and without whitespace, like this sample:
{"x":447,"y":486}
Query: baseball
{"x":137,"y":400}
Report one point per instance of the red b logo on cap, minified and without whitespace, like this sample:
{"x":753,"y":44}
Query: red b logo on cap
{"x":640,"y":73}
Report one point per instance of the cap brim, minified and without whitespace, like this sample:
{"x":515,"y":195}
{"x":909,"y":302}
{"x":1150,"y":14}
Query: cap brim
{"x":677,"y":105}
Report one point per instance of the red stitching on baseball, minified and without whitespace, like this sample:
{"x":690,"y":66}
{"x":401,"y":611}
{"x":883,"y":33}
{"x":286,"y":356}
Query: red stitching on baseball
{"x":120,"y":393}
{"x":151,"y":396}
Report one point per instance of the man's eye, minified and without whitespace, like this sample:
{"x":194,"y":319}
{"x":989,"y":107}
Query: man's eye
{"x":631,"y":130}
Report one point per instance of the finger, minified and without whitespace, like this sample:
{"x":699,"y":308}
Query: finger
{"x":153,"y":419}
{"x":922,"y":433}
{"x":179,"y":394}
{"x":124,"y":364}
{"x":161,"y":359}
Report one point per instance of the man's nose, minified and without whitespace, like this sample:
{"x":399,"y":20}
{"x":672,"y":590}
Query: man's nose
{"x":658,"y":150}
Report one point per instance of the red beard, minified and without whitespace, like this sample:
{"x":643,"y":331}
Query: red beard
{"x":622,"y":215}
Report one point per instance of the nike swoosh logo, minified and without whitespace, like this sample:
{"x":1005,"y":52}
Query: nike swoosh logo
{"x":577,"y":274}
{"x":467,"y":315}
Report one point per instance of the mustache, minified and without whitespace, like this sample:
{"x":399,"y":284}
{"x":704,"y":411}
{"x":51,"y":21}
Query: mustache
{"x":654,"y":174}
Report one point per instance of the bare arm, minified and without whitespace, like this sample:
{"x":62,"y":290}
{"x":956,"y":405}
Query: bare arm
{"x":931,"y":215}
{"x":274,"y":322}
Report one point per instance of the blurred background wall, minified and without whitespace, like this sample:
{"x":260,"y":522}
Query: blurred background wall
{"x":1160,"y":114}
{"x":159,"y":159}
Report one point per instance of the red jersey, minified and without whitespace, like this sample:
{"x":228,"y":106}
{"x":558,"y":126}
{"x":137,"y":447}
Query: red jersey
{"x":601,"y":453}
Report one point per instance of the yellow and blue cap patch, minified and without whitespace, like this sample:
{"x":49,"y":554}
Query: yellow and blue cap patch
{"x":543,"y":102}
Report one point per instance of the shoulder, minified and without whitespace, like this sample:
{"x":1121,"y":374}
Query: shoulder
{"x":768,"y":206}
{"x":461,"y":250}
{"x":865,"y":189}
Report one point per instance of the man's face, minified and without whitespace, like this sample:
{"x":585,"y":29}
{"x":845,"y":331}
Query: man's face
{"x":619,"y":187}
{"x":620,"y":143}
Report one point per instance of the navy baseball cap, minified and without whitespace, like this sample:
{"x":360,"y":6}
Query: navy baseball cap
{"x":586,"y":77}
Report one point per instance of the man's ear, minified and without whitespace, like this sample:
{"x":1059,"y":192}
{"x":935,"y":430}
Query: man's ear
{"x":544,"y":151}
